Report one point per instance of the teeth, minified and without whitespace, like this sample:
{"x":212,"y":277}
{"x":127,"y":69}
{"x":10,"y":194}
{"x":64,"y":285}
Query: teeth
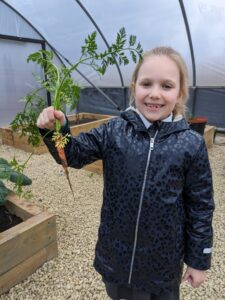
{"x":154,"y":105}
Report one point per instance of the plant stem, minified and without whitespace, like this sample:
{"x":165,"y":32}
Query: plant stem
{"x":56,"y":100}
{"x":24,"y":164}
{"x":72,"y":68}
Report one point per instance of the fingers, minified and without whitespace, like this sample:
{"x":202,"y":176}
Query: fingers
{"x":194,"y":277}
{"x":48,"y":117}
{"x":59,"y":115}
{"x":187,"y":278}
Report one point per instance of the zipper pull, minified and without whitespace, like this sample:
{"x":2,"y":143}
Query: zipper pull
{"x":152,"y":140}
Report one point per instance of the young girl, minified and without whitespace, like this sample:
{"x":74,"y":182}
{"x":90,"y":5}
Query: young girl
{"x":157,"y":198}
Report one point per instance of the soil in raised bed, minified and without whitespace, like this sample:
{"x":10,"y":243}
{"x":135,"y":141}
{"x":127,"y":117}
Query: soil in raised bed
{"x":7,"y":219}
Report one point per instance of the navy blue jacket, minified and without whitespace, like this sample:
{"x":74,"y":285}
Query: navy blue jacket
{"x":157,"y":200}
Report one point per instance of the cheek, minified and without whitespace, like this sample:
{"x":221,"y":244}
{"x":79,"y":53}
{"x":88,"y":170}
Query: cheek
{"x":174,"y":99}
{"x":139,"y":94}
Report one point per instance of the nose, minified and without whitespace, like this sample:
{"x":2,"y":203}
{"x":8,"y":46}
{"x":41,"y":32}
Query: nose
{"x":154,"y":92}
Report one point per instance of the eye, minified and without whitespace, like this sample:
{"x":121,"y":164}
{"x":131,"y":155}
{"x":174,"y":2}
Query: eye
{"x":146,"y":83}
{"x":167,"y":86}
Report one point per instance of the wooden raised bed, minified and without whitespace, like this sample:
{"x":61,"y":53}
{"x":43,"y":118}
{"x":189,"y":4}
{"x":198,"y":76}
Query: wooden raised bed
{"x":95,"y":167}
{"x":28,"y":245}
{"x":12,"y":138}
{"x":94,"y":120}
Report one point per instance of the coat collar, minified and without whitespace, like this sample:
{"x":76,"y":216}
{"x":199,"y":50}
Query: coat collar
{"x":165,"y":128}
{"x":145,"y":121}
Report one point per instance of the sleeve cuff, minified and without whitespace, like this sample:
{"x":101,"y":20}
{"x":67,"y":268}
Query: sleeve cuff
{"x":199,"y":263}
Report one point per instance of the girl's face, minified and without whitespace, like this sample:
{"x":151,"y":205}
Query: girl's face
{"x":157,"y":88}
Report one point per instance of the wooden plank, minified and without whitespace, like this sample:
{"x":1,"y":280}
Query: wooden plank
{"x":6,"y":131}
{"x":21,"y":207}
{"x":22,"y":143}
{"x":40,"y":149}
{"x":25,"y":239}
{"x":91,"y":116}
{"x":209,"y":135}
{"x":7,"y":136}
{"x":27,"y":267}
{"x":95,"y":116}
{"x":95,"y":167}
{"x":19,"y":139}
{"x":7,"y":142}
{"x":77,"y":129}
{"x":13,"y":138}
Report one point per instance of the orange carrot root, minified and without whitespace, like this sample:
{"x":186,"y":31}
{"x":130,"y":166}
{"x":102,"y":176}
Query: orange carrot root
{"x":62,"y":156}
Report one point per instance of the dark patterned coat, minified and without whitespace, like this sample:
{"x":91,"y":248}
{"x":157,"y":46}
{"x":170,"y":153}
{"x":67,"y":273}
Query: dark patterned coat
{"x":157,"y":200}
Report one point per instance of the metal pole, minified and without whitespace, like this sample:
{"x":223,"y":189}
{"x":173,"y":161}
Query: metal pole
{"x":192,"y":52}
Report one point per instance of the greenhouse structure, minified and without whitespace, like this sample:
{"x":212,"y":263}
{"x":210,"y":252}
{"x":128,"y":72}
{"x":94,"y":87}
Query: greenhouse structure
{"x":194,"y":28}
{"x":106,"y":189}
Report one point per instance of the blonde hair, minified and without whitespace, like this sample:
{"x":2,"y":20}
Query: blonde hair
{"x":180,"y":108}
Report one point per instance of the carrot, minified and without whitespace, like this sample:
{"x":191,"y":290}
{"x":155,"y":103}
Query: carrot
{"x":61,"y":152}
{"x":62,"y":156}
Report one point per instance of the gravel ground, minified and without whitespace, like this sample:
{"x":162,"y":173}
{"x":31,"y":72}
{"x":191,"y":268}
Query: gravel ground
{"x":71,"y":275}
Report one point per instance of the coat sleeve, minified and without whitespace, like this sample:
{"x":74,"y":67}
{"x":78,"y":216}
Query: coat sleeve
{"x":199,"y":206}
{"x":84,"y":149}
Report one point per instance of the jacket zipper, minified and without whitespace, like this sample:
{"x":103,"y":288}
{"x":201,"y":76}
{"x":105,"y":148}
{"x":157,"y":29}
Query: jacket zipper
{"x":151,"y":147}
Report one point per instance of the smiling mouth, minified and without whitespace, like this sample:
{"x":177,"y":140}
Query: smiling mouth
{"x":154,"y":106}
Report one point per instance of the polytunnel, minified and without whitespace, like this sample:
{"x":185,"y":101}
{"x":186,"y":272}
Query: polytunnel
{"x":193,"y":27}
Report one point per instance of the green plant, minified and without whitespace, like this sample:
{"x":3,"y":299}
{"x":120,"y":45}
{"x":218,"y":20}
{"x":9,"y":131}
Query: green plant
{"x":25,"y":121}
{"x":59,"y":83}
{"x":64,"y":90}
{"x":12,"y":171}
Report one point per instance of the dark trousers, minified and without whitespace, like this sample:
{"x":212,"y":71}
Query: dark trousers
{"x":117,"y":292}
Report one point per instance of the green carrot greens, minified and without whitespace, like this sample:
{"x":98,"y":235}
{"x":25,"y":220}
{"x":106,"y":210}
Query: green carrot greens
{"x":65,"y":92}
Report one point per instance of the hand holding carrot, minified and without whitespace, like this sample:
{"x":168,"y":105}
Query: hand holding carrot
{"x":47,"y":120}
{"x":48,"y":117}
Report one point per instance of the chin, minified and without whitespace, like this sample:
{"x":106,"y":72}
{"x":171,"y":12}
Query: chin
{"x":152,"y":118}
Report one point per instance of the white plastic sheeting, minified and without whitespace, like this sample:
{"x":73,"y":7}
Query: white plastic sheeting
{"x":12,"y":24}
{"x":207,"y":27}
{"x":15,"y":82}
{"x":64,"y":25}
